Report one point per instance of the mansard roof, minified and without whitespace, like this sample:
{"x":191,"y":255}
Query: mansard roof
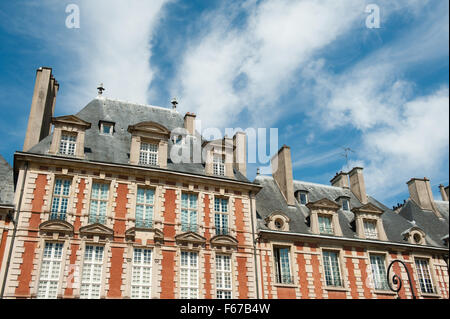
{"x":116,"y":148}
{"x":270,"y":199}
{"x":6,"y":183}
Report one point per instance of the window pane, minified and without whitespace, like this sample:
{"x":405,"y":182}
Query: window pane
{"x":379,"y":272}
{"x":141,"y":281}
{"x":331,"y":267}
{"x":50,"y":271}
{"x":423,"y":271}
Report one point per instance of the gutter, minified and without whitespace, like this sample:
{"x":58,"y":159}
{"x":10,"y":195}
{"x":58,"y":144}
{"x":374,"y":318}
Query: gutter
{"x":365,"y":241}
{"x":148,"y":169}
{"x":15,"y":221}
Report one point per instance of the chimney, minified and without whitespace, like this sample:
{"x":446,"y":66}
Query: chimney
{"x":42,"y":108}
{"x":282,"y":173}
{"x":340,"y":180}
{"x":189,"y":123}
{"x":420,"y":193}
{"x":240,"y":152}
{"x":444,"y":192}
{"x":357,"y":185}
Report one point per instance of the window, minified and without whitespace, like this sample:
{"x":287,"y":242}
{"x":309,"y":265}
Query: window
{"x":345,"y":204}
{"x":219,"y":166}
{"x":60,"y":199}
{"x":221,"y":216}
{"x":279,"y":223}
{"x":223,"y":276}
{"x":379,"y":272}
{"x":282,"y":267}
{"x":107,"y":128}
{"x":189,"y":275}
{"x":68,"y":143}
{"x":141,"y":282}
{"x":144,"y":207}
{"x":331,"y":267}
{"x":188,"y":212}
{"x":423,"y":271}
{"x":99,"y":202}
{"x":370,"y":229}
{"x":91,"y":278}
{"x":303,"y":198}
{"x":325,"y":225}
{"x":50,"y":271}
{"x":148,"y":154}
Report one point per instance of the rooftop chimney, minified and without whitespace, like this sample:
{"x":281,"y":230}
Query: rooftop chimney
{"x":282,"y":173}
{"x":189,"y":123}
{"x":42,"y":107}
{"x":240,"y":152}
{"x":420,"y":193}
{"x":340,"y":180}
{"x":444,"y":192}
{"x":357,"y":185}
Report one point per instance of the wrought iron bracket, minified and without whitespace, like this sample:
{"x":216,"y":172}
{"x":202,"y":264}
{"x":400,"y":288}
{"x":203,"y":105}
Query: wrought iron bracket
{"x":397,"y":280}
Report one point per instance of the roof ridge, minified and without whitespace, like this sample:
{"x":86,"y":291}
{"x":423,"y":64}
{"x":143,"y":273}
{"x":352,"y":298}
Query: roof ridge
{"x":135,"y":103}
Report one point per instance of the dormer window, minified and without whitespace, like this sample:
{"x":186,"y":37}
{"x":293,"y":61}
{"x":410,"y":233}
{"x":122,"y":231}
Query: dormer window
{"x":345,"y":204}
{"x":68,"y":143}
{"x":149,"y":144}
{"x":106,"y":128}
{"x":324,"y":218}
{"x":148,"y":154}
{"x":302,"y":197}
{"x":219,"y":166}
{"x":370,"y":229}
{"x":278,"y":221}
{"x":68,"y":136}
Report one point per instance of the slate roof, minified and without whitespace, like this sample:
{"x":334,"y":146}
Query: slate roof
{"x":116,"y":148}
{"x":6,"y":183}
{"x":434,"y":227}
{"x":270,"y":199}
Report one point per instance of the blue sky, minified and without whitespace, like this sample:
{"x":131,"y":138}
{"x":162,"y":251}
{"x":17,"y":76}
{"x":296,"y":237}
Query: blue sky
{"x":312,"y":69}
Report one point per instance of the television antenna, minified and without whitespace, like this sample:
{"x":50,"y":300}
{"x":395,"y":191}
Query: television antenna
{"x":347,"y":151}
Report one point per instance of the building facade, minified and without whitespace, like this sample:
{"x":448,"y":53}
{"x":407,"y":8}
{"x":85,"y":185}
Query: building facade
{"x":129,"y":201}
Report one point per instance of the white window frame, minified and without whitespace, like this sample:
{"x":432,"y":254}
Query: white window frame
{"x":60,"y":199}
{"x":220,"y":215}
{"x":49,"y":277}
{"x":333,"y":268}
{"x":68,"y":143}
{"x":148,"y":154}
{"x":422,"y":274}
{"x":224,"y":277}
{"x":379,"y":273}
{"x":189,"y":212}
{"x":141,"y":274}
{"x":300,"y":193}
{"x":189,"y":288}
{"x":218,"y":165}
{"x":91,"y":284}
{"x":148,"y":208}
{"x":95,"y":214}
{"x":111,"y":129}
{"x":370,"y":233}
{"x":348,"y":204}
{"x":324,"y":229}
{"x":283,"y":272}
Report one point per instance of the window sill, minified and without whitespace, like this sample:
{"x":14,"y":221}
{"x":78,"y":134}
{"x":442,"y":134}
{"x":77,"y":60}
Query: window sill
{"x":385,"y":292}
{"x":285,"y":285}
{"x":431,"y":295}
{"x":330,"y":288}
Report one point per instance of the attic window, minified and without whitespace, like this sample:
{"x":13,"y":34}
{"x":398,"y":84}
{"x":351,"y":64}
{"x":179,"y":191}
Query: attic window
{"x":302,"y":197}
{"x":345,"y":204}
{"x":106,"y":128}
{"x":67,"y":145}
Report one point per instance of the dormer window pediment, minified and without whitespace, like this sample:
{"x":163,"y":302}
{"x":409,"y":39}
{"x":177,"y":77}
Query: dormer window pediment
{"x":190,"y":239}
{"x":56,"y":226}
{"x":149,"y":128}
{"x":96,"y":230}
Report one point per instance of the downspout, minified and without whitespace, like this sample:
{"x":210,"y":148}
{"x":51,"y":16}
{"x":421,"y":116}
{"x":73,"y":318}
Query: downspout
{"x":15,"y":221}
{"x":255,"y":260}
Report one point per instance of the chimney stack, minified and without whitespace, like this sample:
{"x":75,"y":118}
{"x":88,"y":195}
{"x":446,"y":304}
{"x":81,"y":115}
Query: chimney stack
{"x":42,"y":108}
{"x":340,"y":180}
{"x":357,"y":185}
{"x":240,"y":152}
{"x":189,"y":123}
{"x":420,"y":192}
{"x":282,"y":173}
{"x":444,"y":192}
